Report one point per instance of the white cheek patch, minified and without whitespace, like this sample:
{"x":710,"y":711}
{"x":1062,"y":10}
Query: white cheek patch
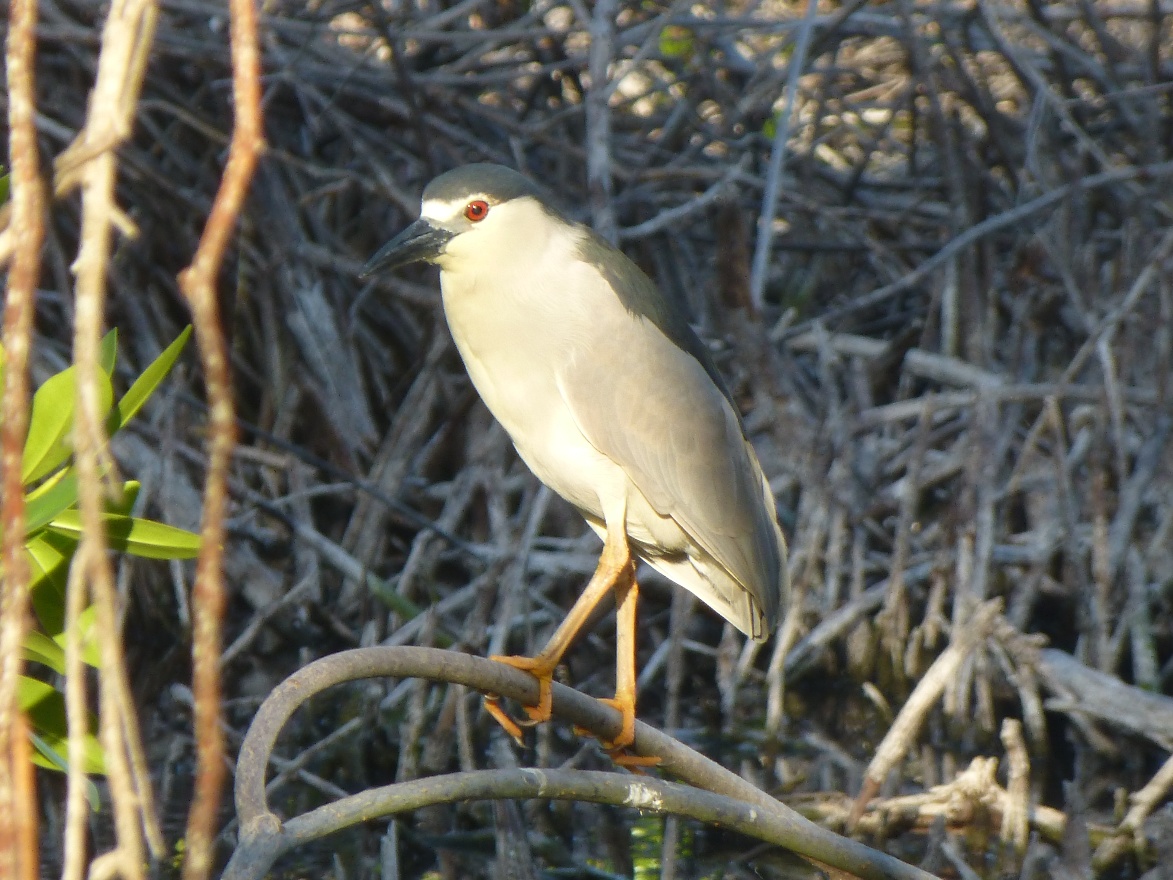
{"x":441,"y":211}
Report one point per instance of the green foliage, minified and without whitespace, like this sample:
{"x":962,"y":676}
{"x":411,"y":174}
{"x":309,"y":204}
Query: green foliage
{"x":53,"y":531}
{"x":676,"y":42}
{"x":50,"y":436}
{"x":45,"y":707}
{"x":770,"y":127}
{"x":128,"y":534}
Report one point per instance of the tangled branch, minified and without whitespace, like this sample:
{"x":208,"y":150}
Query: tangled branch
{"x":712,"y":793}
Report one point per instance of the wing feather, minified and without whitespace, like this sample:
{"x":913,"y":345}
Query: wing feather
{"x":653,"y":409}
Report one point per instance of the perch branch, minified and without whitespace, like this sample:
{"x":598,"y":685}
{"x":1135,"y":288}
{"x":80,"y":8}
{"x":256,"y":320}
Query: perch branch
{"x":726,"y":798}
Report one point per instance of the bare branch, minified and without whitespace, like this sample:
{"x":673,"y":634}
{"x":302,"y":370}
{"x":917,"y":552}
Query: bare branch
{"x":713,"y":794}
{"x":198,"y":283}
{"x":18,"y":811}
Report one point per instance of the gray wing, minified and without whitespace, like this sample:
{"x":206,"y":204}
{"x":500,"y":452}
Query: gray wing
{"x":652,"y":408}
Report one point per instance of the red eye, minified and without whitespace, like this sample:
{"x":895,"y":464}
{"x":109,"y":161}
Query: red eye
{"x":477,"y":210}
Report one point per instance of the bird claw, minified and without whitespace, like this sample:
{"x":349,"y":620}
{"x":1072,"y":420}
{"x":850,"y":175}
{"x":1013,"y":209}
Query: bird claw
{"x":534,"y":714}
{"x":493,"y":707}
{"x":616,"y":749}
{"x":633,"y":763}
{"x":627,"y":731}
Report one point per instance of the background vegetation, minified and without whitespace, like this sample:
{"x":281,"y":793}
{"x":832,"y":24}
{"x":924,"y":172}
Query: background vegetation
{"x":954,"y":360}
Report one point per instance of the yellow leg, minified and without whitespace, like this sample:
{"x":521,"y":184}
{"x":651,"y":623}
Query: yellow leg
{"x":626,"y":599}
{"x":493,"y":707}
{"x":614,"y":565}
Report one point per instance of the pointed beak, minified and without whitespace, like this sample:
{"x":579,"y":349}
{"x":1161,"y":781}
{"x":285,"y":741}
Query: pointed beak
{"x":420,"y":241}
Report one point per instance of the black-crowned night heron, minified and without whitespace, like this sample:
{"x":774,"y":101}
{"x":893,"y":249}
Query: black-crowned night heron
{"x":612,"y":401}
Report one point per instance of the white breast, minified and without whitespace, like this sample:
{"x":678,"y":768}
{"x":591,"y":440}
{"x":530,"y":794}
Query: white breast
{"x":517,"y":328}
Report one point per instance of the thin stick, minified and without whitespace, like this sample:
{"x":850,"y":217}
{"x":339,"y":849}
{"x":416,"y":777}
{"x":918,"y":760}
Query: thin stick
{"x":598,"y":116}
{"x":909,"y":721}
{"x":18,"y":851}
{"x":981,"y":230}
{"x":74,"y":855}
{"x":1104,"y":330}
{"x":761,"y":254}
{"x":197,"y":282}
{"x":90,"y":162}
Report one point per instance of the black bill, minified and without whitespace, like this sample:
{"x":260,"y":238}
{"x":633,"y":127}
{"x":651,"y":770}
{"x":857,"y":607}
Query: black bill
{"x":420,"y":241}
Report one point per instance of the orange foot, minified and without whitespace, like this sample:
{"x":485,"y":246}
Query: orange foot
{"x":617,"y":747}
{"x":627,"y":731}
{"x":493,"y":707}
{"x":535,"y":714}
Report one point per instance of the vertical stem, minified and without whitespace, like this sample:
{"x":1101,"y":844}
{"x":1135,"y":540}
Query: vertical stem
{"x":598,"y":121}
{"x":18,"y":855}
{"x":197,"y":282}
{"x":89,"y":442}
{"x":74,"y":854}
{"x":91,"y":163}
{"x":761,"y":252}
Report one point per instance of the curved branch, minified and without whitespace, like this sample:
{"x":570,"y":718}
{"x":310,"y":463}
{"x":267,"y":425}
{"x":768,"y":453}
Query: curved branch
{"x":726,"y":798}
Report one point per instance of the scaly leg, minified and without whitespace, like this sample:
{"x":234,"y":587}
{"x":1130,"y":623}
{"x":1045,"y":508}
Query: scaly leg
{"x":614,"y":564}
{"x":626,"y":599}
{"x":626,"y":596}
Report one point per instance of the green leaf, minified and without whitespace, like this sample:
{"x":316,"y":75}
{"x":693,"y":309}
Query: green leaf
{"x":108,"y":352}
{"x":676,"y":41}
{"x":45,"y":487}
{"x":39,"y":648}
{"x":91,"y":651}
{"x":138,"y":537}
{"x":45,"y":502}
{"x":45,"y":708}
{"x":125,"y":504}
{"x":51,"y":651}
{"x":59,"y":493}
{"x":50,"y":437}
{"x":31,"y":693}
{"x":50,"y":426}
{"x":49,"y":556}
{"x":51,"y":759}
{"x":144,"y":386}
{"x":47,"y":756}
{"x":3,"y":189}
